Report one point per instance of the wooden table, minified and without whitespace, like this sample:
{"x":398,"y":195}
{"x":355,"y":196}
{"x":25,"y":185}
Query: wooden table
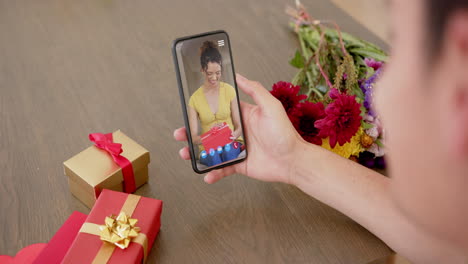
{"x":68,"y":68}
{"x":373,"y":14}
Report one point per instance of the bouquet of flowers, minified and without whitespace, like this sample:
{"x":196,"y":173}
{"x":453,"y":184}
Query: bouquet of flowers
{"x":329,"y":100}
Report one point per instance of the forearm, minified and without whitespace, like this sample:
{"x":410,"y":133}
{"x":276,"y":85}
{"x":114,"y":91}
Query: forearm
{"x":196,"y":139}
{"x":194,"y":133}
{"x":364,"y":195}
{"x":237,"y":132}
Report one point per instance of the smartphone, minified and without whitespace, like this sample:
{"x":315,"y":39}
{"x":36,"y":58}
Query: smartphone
{"x":210,"y":100}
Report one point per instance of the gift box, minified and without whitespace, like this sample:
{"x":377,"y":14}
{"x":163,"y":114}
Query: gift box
{"x":121,"y":228}
{"x":52,"y":252}
{"x":25,"y":256}
{"x":58,"y":246}
{"x":114,"y":162}
{"x":216,"y":136}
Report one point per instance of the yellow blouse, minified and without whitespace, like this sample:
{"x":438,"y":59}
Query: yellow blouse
{"x":207,"y":118}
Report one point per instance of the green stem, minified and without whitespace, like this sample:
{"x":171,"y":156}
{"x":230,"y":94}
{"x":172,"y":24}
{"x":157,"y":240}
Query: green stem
{"x":305,"y":52}
{"x":311,"y":86}
{"x":317,"y":92}
{"x":295,"y":80}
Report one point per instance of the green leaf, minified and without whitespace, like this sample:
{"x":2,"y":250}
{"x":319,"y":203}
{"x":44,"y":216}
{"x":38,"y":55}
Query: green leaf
{"x":363,"y":111}
{"x":379,"y":143}
{"x":368,"y":53}
{"x":297,"y":61}
{"x":366,"y":125}
{"x":370,"y":72}
{"x":356,"y":90}
{"x":359,"y":61}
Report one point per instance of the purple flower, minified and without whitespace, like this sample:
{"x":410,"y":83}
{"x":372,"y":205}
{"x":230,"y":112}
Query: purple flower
{"x":367,"y":88}
{"x":373,"y":63}
{"x":369,"y":160}
{"x":380,"y":163}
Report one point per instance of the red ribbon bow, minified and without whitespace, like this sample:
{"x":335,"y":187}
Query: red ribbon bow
{"x":215,"y":130}
{"x":106,"y":142}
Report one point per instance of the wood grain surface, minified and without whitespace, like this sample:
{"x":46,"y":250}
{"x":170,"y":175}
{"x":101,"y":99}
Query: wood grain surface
{"x":373,"y":14}
{"x":69,"y":68}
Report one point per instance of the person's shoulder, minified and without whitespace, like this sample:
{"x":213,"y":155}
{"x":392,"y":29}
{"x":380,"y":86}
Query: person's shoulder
{"x":195,"y":97}
{"x":230,"y":90}
{"x":198,"y":92}
{"x":227,"y":85}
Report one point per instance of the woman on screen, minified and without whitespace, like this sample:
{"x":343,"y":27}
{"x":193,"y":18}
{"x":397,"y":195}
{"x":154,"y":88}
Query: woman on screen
{"x":215,"y":102}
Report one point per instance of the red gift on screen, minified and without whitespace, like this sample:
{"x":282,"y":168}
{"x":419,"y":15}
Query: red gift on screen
{"x":121,"y":228}
{"x":216,"y":136}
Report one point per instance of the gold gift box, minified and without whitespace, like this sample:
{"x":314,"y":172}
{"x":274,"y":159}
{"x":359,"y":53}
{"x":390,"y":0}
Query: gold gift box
{"x":93,"y":169}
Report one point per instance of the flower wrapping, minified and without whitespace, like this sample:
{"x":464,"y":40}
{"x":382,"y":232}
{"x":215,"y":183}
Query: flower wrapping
{"x":88,"y":246}
{"x":216,"y":136}
{"x":105,"y":165}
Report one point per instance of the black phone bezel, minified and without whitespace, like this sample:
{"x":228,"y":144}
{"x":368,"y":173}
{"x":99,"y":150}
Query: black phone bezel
{"x":184,"y":106}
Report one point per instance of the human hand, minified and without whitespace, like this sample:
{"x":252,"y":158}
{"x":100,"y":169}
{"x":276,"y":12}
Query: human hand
{"x":235,"y":134}
{"x":196,"y":140}
{"x":271,"y":138}
{"x":217,"y":125}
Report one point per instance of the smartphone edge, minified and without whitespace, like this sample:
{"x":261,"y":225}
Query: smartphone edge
{"x":184,"y":106}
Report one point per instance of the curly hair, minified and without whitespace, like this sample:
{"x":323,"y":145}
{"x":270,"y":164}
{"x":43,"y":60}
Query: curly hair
{"x":209,"y":53}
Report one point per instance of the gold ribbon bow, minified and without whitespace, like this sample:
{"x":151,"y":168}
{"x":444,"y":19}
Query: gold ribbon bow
{"x":119,"y":230}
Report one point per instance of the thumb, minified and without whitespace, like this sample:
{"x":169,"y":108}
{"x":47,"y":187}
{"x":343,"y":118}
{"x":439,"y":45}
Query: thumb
{"x":216,"y":175}
{"x":259,"y":94}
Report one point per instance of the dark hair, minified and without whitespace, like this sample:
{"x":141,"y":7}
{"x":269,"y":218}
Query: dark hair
{"x":209,"y":53}
{"x":437,"y":16}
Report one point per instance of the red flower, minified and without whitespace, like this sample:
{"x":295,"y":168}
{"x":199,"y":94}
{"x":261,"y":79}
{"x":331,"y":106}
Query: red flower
{"x":342,"y":119}
{"x":303,"y":117}
{"x":287,"y":93}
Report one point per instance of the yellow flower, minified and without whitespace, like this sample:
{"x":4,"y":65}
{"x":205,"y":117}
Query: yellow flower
{"x":349,"y":149}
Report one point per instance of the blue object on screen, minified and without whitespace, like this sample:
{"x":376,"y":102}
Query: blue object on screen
{"x":214,"y":158}
{"x":231,"y":151}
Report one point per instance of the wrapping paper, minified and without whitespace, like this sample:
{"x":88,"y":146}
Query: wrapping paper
{"x":58,"y":246}
{"x":87,"y":246}
{"x":216,"y":137}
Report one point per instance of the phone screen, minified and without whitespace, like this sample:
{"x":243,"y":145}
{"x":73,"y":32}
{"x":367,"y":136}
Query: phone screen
{"x":210,"y":100}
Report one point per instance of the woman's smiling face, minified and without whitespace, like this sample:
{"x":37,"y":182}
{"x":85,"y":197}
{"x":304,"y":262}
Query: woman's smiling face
{"x":212,"y":74}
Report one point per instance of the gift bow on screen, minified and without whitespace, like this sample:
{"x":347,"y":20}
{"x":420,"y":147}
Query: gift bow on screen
{"x":106,"y":142}
{"x":215,"y":130}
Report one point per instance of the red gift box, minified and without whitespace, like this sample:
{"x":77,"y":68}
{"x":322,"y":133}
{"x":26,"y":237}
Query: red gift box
{"x":55,"y":250}
{"x":88,"y":246}
{"x":58,"y":246}
{"x":216,"y":136}
{"x":25,"y":256}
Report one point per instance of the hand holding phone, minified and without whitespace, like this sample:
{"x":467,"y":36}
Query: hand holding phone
{"x":210,"y":100}
{"x":274,"y":144}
